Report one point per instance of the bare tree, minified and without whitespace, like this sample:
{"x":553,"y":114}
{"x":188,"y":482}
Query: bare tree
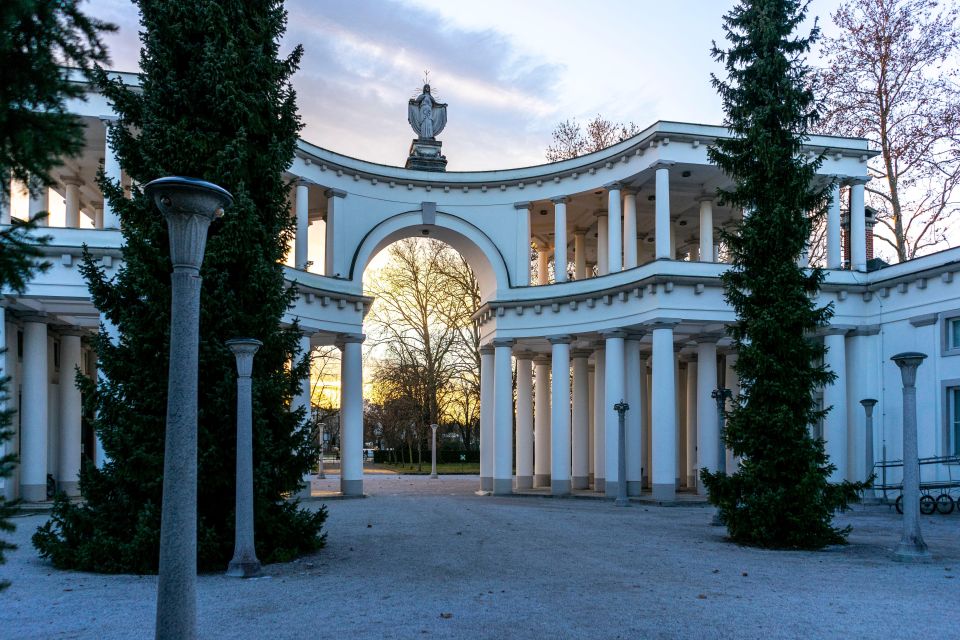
{"x":892,"y":77}
{"x":570,"y":140}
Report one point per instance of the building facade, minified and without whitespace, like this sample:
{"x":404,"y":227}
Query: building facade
{"x":626,"y":304}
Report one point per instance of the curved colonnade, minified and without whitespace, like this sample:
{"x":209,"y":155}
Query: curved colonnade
{"x":626,"y":304}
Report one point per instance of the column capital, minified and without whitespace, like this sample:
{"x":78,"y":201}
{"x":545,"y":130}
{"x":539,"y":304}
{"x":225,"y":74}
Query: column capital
{"x":335,"y":193}
{"x":345,"y":338}
{"x":38,"y":318}
{"x":601,"y":213}
{"x":662,"y":164}
{"x":486,"y":349}
{"x":522,"y":205}
{"x":708,"y":338}
{"x":840,"y":330}
{"x":107,"y":120}
{"x":541,"y":360}
{"x":661,"y":323}
{"x":580,"y":231}
{"x":629,"y":192}
{"x":607,"y":334}
{"x":75,"y":331}
{"x":635,"y":336}
{"x":580,"y":353}
{"x":560,"y":200}
{"x":521,"y":354}
{"x":503,"y":342}
{"x":856,"y":180}
{"x":300,"y":181}
{"x":613,"y":186}
{"x":72,"y":181}
{"x":706,"y":197}
{"x":562,"y":339}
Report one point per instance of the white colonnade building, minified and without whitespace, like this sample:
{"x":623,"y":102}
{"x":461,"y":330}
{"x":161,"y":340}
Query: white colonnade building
{"x":626,"y":304}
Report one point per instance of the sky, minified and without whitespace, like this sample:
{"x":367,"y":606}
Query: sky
{"x":509,"y":70}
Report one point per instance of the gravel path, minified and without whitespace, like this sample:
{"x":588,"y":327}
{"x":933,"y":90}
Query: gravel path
{"x":422,"y":558}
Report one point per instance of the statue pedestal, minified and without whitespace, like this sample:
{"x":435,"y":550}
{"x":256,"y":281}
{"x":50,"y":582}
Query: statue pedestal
{"x":425,"y":156}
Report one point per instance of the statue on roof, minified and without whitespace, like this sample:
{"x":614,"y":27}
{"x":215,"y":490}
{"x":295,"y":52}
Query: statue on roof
{"x":427,"y":116}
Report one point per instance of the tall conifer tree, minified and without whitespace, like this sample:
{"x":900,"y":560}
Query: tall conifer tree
{"x":780,"y":495}
{"x":215,"y":102}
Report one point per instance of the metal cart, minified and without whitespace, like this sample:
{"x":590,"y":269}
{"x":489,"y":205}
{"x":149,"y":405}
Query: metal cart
{"x":937,"y":494}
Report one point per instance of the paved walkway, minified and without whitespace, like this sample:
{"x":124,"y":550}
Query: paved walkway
{"x":425,"y":558}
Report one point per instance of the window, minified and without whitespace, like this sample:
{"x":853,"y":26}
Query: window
{"x":953,"y":420}
{"x":951,"y":333}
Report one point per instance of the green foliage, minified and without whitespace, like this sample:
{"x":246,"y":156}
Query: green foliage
{"x":215,"y":103}
{"x":780,"y":496}
{"x":36,"y":133}
{"x":37,"y":39}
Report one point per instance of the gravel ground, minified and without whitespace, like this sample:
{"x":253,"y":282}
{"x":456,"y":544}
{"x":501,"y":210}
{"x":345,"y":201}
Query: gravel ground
{"x":422,"y":558}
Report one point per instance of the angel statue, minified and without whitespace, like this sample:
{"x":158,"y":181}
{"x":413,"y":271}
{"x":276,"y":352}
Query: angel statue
{"x":427,"y":116}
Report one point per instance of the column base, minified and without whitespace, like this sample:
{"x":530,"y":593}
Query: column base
{"x":612,"y":488}
{"x":560,"y":488}
{"x":70,"y":487}
{"x":541,"y":479}
{"x":646,"y":481}
{"x":524,"y":482}
{"x":599,"y":485}
{"x":33,"y":492}
{"x":912,"y":551}
{"x":581,"y":482}
{"x":243,"y":568}
{"x":590,"y":478}
{"x":351,"y":487}
{"x":486,"y":483}
{"x":633,"y":487}
{"x":691,"y":482}
{"x":664,"y":492}
{"x":502,"y":486}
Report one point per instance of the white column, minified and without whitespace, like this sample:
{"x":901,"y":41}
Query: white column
{"x":599,"y":419}
{"x":579,"y":253}
{"x":603,"y":244}
{"x":8,"y":360}
{"x":708,"y":430}
{"x":336,"y":262}
{"x":614,"y":392}
{"x":302,"y":399}
{"x":100,"y":457}
{"x":40,"y":203}
{"x":543,"y":262}
{"x":72,"y":202}
{"x":351,"y":416}
{"x":834,"y":250}
{"x":662,"y":229}
{"x":111,"y":169}
{"x":664,"y":412}
{"x":524,"y":421}
{"x":858,"y":226}
{"x":634,"y":442}
{"x":591,"y":390}
{"x":560,"y":417}
{"x":644,"y":385}
{"x":486,"y":418}
{"x":301,"y":245}
{"x":732,"y":382}
{"x":97,"y":214}
{"x":580,"y":439}
{"x":835,"y":398}
{"x":629,"y":230}
{"x":68,"y":475}
{"x":6,"y":203}
{"x":34,"y":412}
{"x":691,"y":415}
{"x":503,"y":417}
{"x":706,"y":230}
{"x":541,"y":425}
{"x":560,"y":240}
{"x":614,"y":229}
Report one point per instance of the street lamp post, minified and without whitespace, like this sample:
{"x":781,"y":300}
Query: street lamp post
{"x":433,"y":452}
{"x":912,"y":548}
{"x":868,"y":405}
{"x":188,"y":205}
{"x":244,"y":563}
{"x":720,"y":395}
{"x":622,"y":501}
{"x":323,"y":446}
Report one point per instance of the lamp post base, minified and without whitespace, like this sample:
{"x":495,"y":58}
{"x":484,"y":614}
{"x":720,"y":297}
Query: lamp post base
{"x":912,"y":552}
{"x":243,"y":568}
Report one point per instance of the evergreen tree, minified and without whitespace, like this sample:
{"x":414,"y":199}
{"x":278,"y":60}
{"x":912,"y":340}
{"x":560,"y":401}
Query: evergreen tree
{"x":36,"y":133}
{"x":216,"y":103}
{"x":780,"y":495}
